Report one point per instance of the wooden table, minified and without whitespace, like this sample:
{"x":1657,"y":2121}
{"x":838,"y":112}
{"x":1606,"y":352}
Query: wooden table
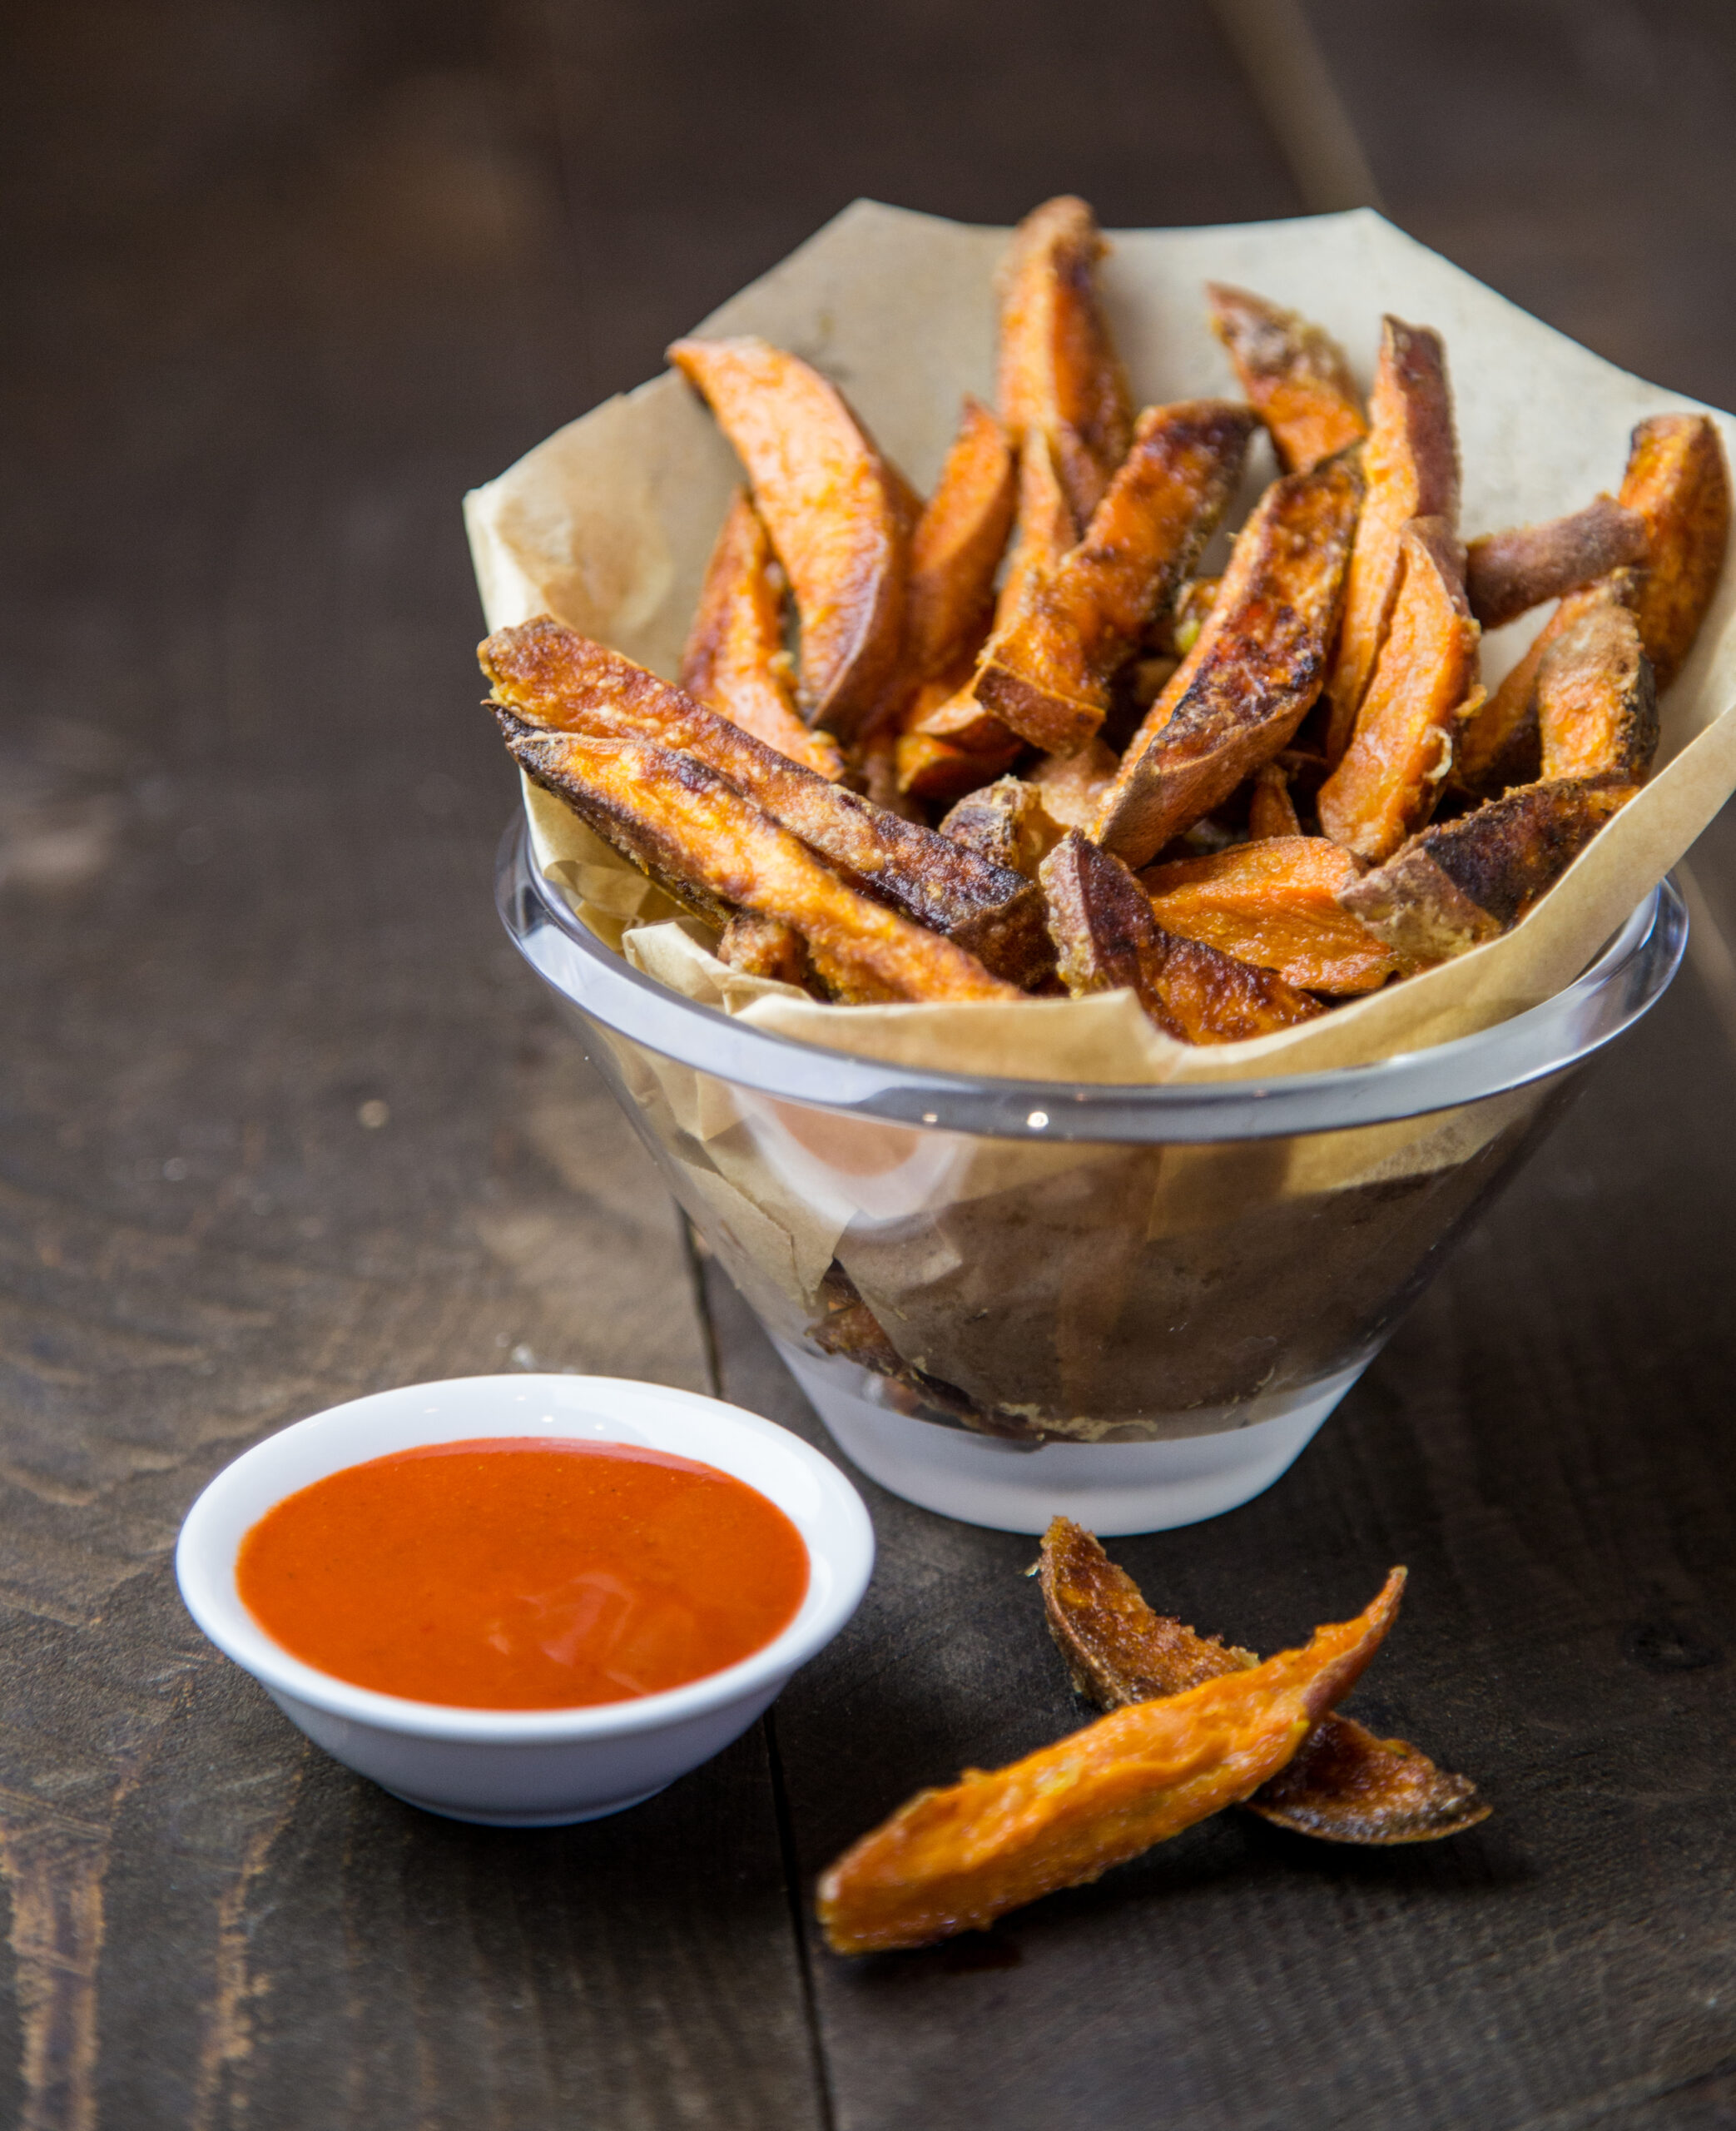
{"x":283,"y":1121}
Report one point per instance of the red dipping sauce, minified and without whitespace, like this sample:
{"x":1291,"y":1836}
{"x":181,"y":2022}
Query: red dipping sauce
{"x":523,"y":1573}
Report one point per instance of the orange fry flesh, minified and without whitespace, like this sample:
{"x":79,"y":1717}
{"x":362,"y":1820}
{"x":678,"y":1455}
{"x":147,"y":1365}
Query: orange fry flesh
{"x":1424,"y":682}
{"x":688,"y":829}
{"x":734,"y":659}
{"x":1344,"y":1786}
{"x":956,"y":546}
{"x":1046,"y":674}
{"x":1255,"y":670}
{"x":1274,"y":902}
{"x":1411,"y":463}
{"x":953,"y":1860}
{"x":1107,"y":936}
{"x":1294,"y":375}
{"x":1678,"y":483}
{"x":1597,"y":705}
{"x":836,"y":513}
{"x":1271,"y":810}
{"x":1057,"y":371}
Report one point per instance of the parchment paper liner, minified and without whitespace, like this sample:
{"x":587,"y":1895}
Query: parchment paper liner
{"x":608,"y":524}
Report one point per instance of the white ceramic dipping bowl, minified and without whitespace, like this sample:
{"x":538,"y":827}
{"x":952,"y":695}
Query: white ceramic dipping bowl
{"x":528,"y":1768}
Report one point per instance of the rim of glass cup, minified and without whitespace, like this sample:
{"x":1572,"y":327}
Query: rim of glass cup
{"x":1625,"y":979}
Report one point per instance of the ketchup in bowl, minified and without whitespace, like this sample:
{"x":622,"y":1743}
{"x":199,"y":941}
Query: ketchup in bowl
{"x":523,"y":1573}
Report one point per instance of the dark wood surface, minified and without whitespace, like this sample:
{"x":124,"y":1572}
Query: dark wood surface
{"x":283,"y":1121}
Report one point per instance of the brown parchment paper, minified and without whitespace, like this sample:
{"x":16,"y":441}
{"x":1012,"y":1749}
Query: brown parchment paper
{"x":1038,"y":1278}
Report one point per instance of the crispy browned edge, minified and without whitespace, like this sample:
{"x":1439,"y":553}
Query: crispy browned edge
{"x":1254,"y":672}
{"x":1344,"y":1786}
{"x":1597,"y":701}
{"x":762,"y":946}
{"x":1006,"y":822}
{"x":1509,"y":573}
{"x":1294,"y":373}
{"x":1107,"y":936}
{"x":693,"y":834}
{"x":553,"y":677}
{"x":1459,"y":883}
{"x":1677,"y":482}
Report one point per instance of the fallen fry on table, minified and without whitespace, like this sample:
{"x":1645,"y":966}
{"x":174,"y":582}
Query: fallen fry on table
{"x":1424,"y":685}
{"x":836,"y":513}
{"x":1007,"y":822}
{"x":1057,"y":371}
{"x":1294,"y":374}
{"x":1461,"y":882}
{"x":1597,"y":705}
{"x":1254,"y":673}
{"x":1412,"y":466}
{"x":1274,"y":902}
{"x":1678,"y":483}
{"x":554,"y":677}
{"x":1046,"y":674}
{"x":953,"y":1860}
{"x":1107,"y":936}
{"x":735,"y":659}
{"x":1508,"y":573}
{"x":694,"y":833}
{"x":1344,"y":1786}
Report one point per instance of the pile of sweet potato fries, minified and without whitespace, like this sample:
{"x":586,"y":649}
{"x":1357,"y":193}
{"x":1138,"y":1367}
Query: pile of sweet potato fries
{"x":1194,"y":1725}
{"x":897,"y":770}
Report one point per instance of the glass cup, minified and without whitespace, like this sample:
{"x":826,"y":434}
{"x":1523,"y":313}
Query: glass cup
{"x":1013,"y":1300}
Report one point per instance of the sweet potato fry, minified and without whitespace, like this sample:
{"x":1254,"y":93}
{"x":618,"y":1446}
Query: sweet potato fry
{"x":554,"y":677}
{"x":1006,"y":822}
{"x":694,"y":833}
{"x":1106,"y":936}
{"x":1411,"y":462}
{"x":837,"y":516}
{"x":1271,"y":810}
{"x":956,"y":548}
{"x":1275,"y":903}
{"x":1597,"y":709}
{"x":1678,"y":483}
{"x":932,"y":768}
{"x":1253,"y":673}
{"x":1344,"y":1786}
{"x":1425,"y":683}
{"x":1046,"y":674}
{"x":760,"y":947}
{"x":1508,"y":573}
{"x":735,"y":658}
{"x":954,"y":1860}
{"x":1464,"y":881}
{"x":1058,"y":372}
{"x":1073,"y":786}
{"x":1294,"y":374}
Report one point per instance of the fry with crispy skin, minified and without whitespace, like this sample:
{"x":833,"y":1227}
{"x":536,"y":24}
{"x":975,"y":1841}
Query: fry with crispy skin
{"x":837,"y":514}
{"x":1425,"y":683}
{"x":552,"y":677}
{"x":1678,"y":483}
{"x":1106,"y":936}
{"x":1411,"y":463}
{"x":1274,"y":902}
{"x":1046,"y":674}
{"x":1006,"y":822}
{"x":682,"y":823}
{"x":1058,"y":374}
{"x":956,"y":548}
{"x":1253,"y":673}
{"x":1344,"y":1786}
{"x":1597,"y":705}
{"x":735,"y":658}
{"x":1074,"y":787}
{"x":954,"y":1860}
{"x":1271,"y":810}
{"x":1461,"y":882}
{"x":760,"y":947}
{"x":1508,"y":573}
{"x":1294,"y":374}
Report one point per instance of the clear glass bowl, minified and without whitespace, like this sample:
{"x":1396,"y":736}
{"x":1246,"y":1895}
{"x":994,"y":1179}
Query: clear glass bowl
{"x":1011,"y":1298}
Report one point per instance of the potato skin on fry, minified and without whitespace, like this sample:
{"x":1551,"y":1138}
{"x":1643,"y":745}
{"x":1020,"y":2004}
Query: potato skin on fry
{"x":1006,"y":822}
{"x":1254,"y":672}
{"x":1344,"y":1786}
{"x":1106,"y":936}
{"x":684,"y":825}
{"x":1046,"y":674}
{"x":1058,"y":374}
{"x":1294,"y":373}
{"x":1597,"y":707}
{"x":1424,"y":682}
{"x":1274,"y":902}
{"x":1678,"y":483}
{"x":554,"y":677}
{"x":734,"y":659}
{"x":1461,"y":882}
{"x":1411,"y":465}
{"x":953,"y":1860}
{"x":837,"y":514}
{"x":1507,"y":574}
